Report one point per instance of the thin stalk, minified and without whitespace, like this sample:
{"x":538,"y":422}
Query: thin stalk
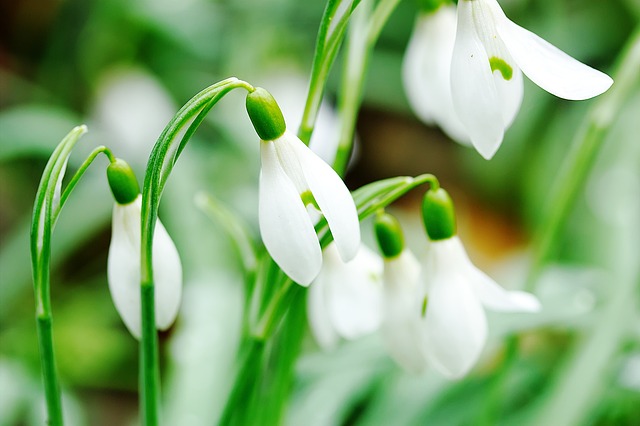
{"x":363,"y":35}
{"x":42,"y":225}
{"x":328,"y":43}
{"x":79,"y":173}
{"x":163,"y":157}
{"x":584,"y":151}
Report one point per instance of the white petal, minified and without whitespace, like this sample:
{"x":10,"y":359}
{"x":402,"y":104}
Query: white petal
{"x":285,"y":226}
{"x":333,"y":198}
{"x":123,"y":269}
{"x":510,"y":93}
{"x":426,"y":71}
{"x":402,"y":309}
{"x":496,"y":298}
{"x":353,"y":292}
{"x":475,"y":97}
{"x":167,"y":275}
{"x":123,"y":265}
{"x":455,"y":326}
{"x":549,"y":67}
{"x":318,"y":314}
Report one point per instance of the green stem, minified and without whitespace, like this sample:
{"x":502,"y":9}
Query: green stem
{"x":42,"y":225}
{"x":149,"y":359}
{"x":584,"y":151}
{"x":78,"y":175}
{"x":163,"y":157}
{"x":327,"y":46}
{"x":363,"y":34}
{"x":49,"y":370}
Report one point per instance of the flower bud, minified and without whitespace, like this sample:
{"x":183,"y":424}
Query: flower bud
{"x":438,"y":215}
{"x":265,"y":114}
{"x":122,"y":181}
{"x":389,"y":235}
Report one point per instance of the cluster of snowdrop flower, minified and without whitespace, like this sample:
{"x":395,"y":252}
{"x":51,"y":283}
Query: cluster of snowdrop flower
{"x":430,"y":314}
{"x":434,"y":309}
{"x":463,"y":71}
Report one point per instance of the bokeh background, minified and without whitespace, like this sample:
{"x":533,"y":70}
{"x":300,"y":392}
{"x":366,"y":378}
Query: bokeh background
{"x":125,"y":67}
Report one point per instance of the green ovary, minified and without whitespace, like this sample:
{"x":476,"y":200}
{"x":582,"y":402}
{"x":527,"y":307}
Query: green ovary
{"x":499,"y":64}
{"x":308,"y":199}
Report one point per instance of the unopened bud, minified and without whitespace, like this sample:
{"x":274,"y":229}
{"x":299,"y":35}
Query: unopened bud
{"x":265,"y":114}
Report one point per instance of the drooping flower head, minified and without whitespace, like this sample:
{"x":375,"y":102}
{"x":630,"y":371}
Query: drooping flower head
{"x":345,"y":299}
{"x":486,"y":79}
{"x":439,"y":311}
{"x":123,"y":268}
{"x":292,"y":179}
{"x":472,"y":87}
{"x":426,"y":68}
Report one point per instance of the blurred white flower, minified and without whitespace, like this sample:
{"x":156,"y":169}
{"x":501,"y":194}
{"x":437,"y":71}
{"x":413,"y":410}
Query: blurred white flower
{"x":436,"y":317}
{"x":123,"y":269}
{"x":130,"y":110}
{"x":293,"y":177}
{"x":402,"y":311}
{"x":426,"y":71}
{"x":486,"y":81}
{"x":345,"y":299}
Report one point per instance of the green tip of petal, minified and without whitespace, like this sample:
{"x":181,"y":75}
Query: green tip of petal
{"x":389,"y":235}
{"x":265,"y":114}
{"x":122,"y":181}
{"x":501,"y":65}
{"x":430,"y":6}
{"x":438,"y":215}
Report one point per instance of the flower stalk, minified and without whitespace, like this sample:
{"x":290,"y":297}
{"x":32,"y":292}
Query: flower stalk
{"x":163,"y":157}
{"x":584,"y":151}
{"x":47,"y":207}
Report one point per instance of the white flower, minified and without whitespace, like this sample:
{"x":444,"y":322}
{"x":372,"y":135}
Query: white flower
{"x":440,"y":321}
{"x":123,"y":269}
{"x":426,"y":71}
{"x":291,"y":178}
{"x":486,"y":81}
{"x":345,"y":300}
{"x":402,"y":310}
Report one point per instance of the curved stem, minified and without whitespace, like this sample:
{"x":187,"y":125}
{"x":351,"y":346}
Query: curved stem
{"x":163,"y":157}
{"x":42,"y":224}
{"x":81,"y":170}
{"x":585,"y":148}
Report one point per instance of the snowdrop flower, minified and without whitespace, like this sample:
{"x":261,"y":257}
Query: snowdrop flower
{"x":123,"y":268}
{"x":426,"y":71}
{"x":486,"y":78}
{"x":439,"y":312}
{"x":345,"y":299}
{"x":402,"y":302}
{"x":293,"y":178}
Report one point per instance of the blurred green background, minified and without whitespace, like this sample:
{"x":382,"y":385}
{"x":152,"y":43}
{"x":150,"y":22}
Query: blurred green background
{"x":125,"y":67}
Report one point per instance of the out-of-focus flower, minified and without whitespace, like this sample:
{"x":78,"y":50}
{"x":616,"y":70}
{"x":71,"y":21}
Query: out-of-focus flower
{"x":434,"y":314}
{"x":453,"y":322}
{"x":426,"y":71}
{"x":123,"y":268}
{"x":345,"y":299}
{"x":293,"y":178}
{"x":486,"y":79}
